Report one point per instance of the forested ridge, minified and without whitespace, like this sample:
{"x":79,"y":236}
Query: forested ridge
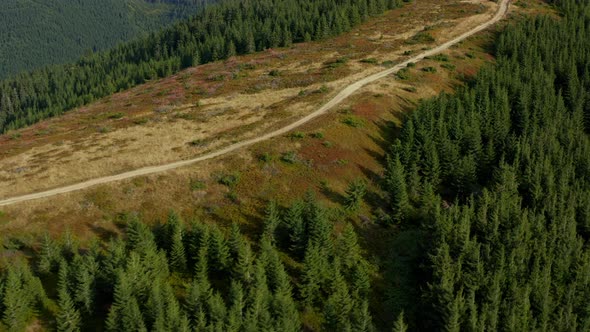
{"x":497,"y":180}
{"x":39,"y":33}
{"x":491,"y":186}
{"x":215,"y":32}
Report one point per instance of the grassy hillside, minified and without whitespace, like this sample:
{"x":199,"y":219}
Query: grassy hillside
{"x":217,"y":32}
{"x":37,"y":33}
{"x":480,"y":220}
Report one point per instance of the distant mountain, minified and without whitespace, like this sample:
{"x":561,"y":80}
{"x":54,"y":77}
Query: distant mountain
{"x":34,"y":33}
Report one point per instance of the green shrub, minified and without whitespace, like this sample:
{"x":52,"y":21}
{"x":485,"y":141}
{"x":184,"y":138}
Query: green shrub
{"x":117,"y":115}
{"x":353,"y":121}
{"x":387,"y":63}
{"x":421,"y":37}
{"x":195,"y":142}
{"x":229,"y":180}
{"x":372,"y":61}
{"x":429,"y":69}
{"x":289,"y":157}
{"x":441,"y":58}
{"x":448,"y":66}
{"x":265,"y":157}
{"x":196,"y":184}
{"x":403,"y":74}
{"x":297,"y":135}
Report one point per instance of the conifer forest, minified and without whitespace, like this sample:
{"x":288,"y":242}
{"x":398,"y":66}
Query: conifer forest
{"x":488,"y":188}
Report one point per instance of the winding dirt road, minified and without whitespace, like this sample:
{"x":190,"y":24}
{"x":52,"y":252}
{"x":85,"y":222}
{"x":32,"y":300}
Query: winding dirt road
{"x":345,"y":93}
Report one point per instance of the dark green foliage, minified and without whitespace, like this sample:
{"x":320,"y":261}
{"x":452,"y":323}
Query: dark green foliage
{"x":36,"y":34}
{"x":271,"y":221}
{"x":221,"y":283}
{"x":68,"y":317}
{"x":21,"y":294}
{"x":355,"y":193}
{"x":49,"y":255}
{"x":395,"y":180}
{"x":506,"y":249}
{"x":215,"y":32}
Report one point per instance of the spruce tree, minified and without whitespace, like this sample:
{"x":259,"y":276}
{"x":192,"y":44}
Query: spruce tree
{"x":396,"y":187}
{"x":48,"y":255}
{"x":177,"y":253}
{"x":271,"y":221}
{"x":16,"y":300}
{"x":355,"y":193}
{"x":218,"y":251}
{"x":400,"y":325}
{"x":68,"y":317}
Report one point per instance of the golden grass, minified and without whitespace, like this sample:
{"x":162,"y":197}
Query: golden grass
{"x":196,"y":106}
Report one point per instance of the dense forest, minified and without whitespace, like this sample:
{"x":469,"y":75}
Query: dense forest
{"x":497,"y":180}
{"x":215,"y":32}
{"x":198,"y":278}
{"x":38,"y":33}
{"x":490,"y":186}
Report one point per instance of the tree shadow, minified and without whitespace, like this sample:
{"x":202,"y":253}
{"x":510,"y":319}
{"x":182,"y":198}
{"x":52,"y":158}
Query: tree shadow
{"x":105,"y":234}
{"x":332,"y":195}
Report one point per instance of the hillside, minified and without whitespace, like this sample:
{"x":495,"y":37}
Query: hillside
{"x":38,"y":33}
{"x":217,"y":32}
{"x":450,"y":195}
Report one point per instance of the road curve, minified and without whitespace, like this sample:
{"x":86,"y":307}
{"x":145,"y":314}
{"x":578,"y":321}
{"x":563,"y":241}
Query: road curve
{"x":345,"y":93}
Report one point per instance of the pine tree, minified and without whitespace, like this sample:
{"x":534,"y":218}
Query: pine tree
{"x":258,"y":316}
{"x":361,"y":317}
{"x":177,"y":253}
{"x":348,"y":249}
{"x":297,"y":229}
{"x":338,"y":308}
{"x":271,"y":221}
{"x":236,"y":310}
{"x":217,"y":312}
{"x":218,"y":251}
{"x":68,"y":317}
{"x":48,"y":255}
{"x":396,"y":186}
{"x":355,"y":193}
{"x":16,"y":302}
{"x":242,"y":269}
{"x":400,"y":324}
{"x":314,"y":270}
{"x":85,"y":270}
{"x":125,"y":314}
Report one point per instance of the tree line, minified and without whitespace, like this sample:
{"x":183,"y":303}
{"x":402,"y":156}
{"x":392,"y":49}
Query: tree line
{"x":197,"y":277}
{"x":215,"y":32}
{"x":496,"y":179}
{"x":37,"y":34}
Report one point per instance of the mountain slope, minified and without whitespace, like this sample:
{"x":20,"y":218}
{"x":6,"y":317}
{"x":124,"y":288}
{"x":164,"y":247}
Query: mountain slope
{"x":217,"y":32}
{"x":37,"y":33}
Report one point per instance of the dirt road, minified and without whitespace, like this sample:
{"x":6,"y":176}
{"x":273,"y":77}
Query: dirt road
{"x":345,"y":93}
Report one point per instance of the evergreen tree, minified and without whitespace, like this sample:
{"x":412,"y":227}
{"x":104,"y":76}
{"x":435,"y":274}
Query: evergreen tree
{"x":68,"y":318}
{"x":396,"y":187}
{"x":355,"y":193}
{"x":400,"y":325}
{"x":271,"y":221}
{"x":177,"y":253}
{"x":49,"y":254}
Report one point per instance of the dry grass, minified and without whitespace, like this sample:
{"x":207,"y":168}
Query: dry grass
{"x":212,"y":105}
